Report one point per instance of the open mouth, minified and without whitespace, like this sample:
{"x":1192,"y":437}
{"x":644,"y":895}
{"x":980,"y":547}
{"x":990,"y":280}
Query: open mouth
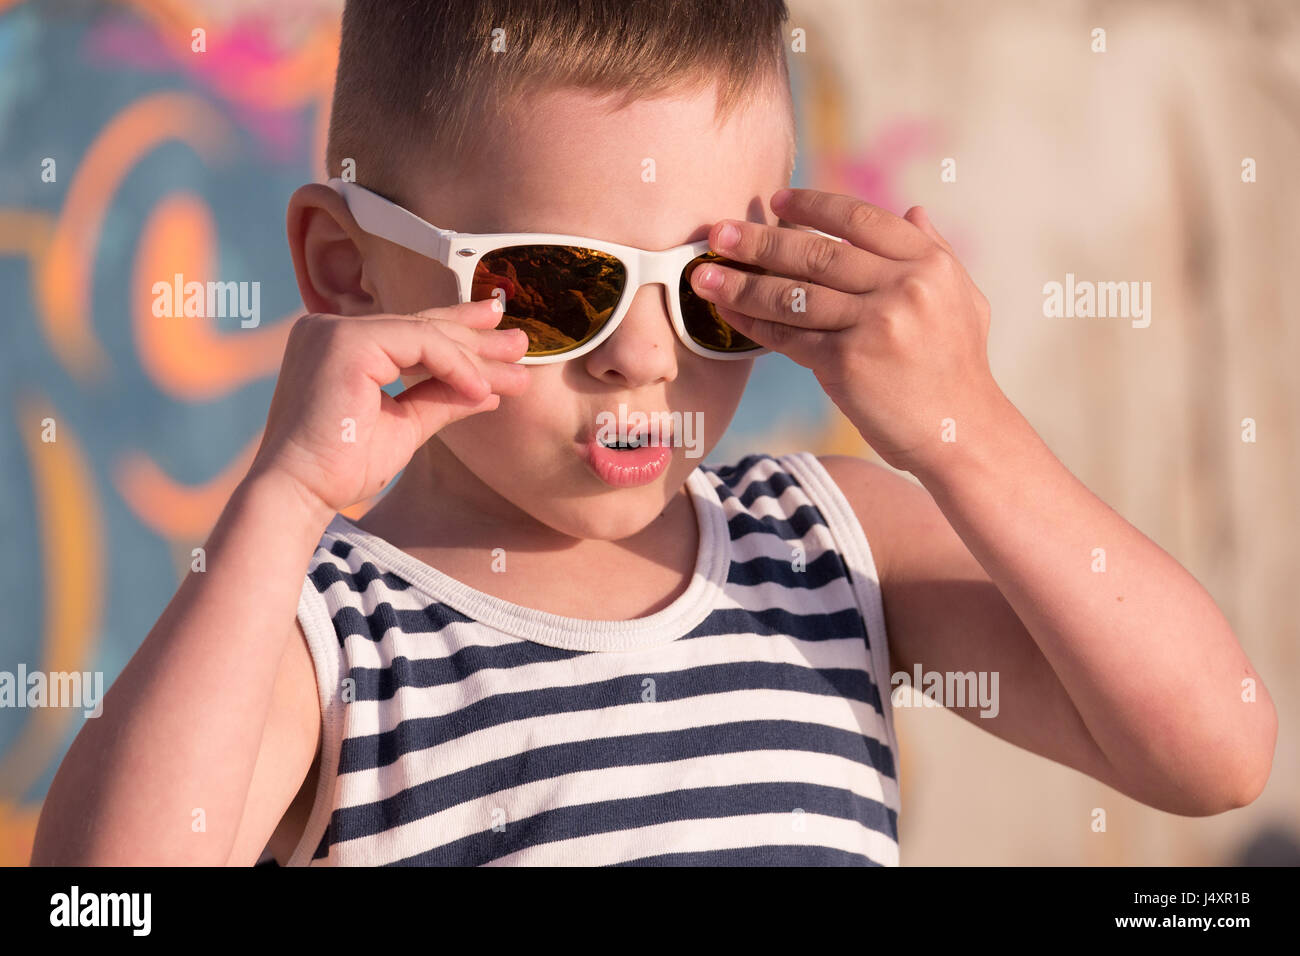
{"x":636,"y":441}
{"x":626,"y":456}
{"x":655,"y":435}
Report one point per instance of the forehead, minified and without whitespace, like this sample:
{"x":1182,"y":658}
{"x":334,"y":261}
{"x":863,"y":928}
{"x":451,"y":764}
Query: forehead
{"x":655,"y":173}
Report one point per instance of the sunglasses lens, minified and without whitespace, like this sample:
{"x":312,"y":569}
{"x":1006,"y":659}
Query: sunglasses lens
{"x":560,"y":295}
{"x":703,"y":324}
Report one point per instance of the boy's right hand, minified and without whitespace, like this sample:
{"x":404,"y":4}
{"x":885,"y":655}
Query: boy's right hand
{"x":334,"y":369}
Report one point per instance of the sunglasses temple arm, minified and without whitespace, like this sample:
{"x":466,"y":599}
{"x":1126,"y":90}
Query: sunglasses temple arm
{"x":379,"y":217}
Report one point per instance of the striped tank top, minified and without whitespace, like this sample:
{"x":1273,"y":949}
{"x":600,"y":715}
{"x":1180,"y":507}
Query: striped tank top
{"x":747,"y":723}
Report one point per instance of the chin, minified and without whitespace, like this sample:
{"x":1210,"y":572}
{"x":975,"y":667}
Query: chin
{"x":609,"y":517}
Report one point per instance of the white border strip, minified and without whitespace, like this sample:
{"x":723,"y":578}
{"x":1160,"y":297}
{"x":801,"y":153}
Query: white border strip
{"x":856,"y":552}
{"x":327,"y":656}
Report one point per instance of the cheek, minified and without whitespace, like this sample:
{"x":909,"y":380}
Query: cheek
{"x":720,"y":397}
{"x":530,"y":426}
{"x":409,"y":283}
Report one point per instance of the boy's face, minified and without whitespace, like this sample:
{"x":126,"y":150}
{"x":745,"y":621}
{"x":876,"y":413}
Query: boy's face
{"x":565,"y":164}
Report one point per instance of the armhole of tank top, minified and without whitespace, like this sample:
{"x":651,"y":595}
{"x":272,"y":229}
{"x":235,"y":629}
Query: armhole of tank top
{"x":327,"y":659}
{"x":851,"y":541}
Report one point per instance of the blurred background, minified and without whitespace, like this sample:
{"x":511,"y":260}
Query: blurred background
{"x":1170,"y":157}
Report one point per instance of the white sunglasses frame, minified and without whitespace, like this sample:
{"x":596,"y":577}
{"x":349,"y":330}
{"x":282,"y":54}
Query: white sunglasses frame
{"x":461,"y":252}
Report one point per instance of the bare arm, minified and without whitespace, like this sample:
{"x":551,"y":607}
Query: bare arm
{"x":274,"y":816}
{"x":206,"y":734}
{"x":1131,"y":675}
{"x":183,"y":724}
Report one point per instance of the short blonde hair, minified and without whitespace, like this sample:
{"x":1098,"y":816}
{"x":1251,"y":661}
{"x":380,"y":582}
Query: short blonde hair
{"x":427,"y":77}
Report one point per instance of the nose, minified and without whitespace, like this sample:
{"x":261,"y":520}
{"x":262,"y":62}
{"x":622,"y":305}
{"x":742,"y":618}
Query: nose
{"x":643,"y":349}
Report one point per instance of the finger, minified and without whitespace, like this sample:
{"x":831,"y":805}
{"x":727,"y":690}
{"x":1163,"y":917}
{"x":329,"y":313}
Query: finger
{"x":864,"y":225}
{"x":506,"y":345}
{"x":413,"y":342}
{"x":921,"y":219}
{"x":795,"y":252}
{"x":492,"y":353}
{"x":479,"y":314}
{"x":799,"y":344}
{"x":506,"y":378}
{"x":793,"y":302}
{"x":431,"y":404}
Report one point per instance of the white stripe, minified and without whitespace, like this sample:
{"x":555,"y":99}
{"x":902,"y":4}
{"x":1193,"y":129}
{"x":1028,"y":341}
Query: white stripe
{"x":412,"y":703}
{"x":833,"y":597}
{"x":423,"y":645}
{"x":517,"y":737}
{"x":764,"y":544}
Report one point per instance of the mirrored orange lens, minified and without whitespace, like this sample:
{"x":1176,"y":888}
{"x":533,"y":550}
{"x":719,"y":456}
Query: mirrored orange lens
{"x":560,"y":295}
{"x":703,"y":324}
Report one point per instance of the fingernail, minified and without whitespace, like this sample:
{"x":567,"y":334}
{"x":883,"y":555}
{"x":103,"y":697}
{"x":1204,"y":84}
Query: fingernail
{"x":708,"y":278}
{"x":728,"y":236}
{"x":780,"y":197}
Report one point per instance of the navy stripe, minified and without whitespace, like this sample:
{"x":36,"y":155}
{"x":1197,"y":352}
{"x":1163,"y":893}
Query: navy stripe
{"x":731,"y":474}
{"x":611,"y":816}
{"x":797,"y":526}
{"x":826,"y":567}
{"x":775,"y":621}
{"x":426,"y":620}
{"x":326,"y":574}
{"x":768,"y":855}
{"x":554,"y":760}
{"x":367,"y":751}
{"x":770,"y":487}
{"x":380,"y":683}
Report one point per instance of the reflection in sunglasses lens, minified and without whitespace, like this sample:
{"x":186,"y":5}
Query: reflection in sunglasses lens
{"x":560,"y":295}
{"x":703,"y":324}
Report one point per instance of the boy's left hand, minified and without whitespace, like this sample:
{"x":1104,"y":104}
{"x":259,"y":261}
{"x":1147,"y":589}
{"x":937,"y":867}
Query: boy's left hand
{"x":892,"y":326}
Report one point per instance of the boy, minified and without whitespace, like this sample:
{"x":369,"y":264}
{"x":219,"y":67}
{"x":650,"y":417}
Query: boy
{"x":552,"y":644}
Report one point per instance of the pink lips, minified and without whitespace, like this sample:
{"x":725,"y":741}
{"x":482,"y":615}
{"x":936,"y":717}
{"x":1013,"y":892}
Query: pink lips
{"x":630,"y":468}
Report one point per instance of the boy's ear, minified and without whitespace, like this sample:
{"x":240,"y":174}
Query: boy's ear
{"x":326,"y":244}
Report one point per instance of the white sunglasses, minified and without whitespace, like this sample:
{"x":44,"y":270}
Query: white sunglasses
{"x":569,"y":293}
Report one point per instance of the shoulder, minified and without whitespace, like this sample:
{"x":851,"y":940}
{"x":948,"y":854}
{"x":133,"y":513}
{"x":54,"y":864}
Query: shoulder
{"x":873,"y":491}
{"x":858,"y":478}
{"x":862,"y":482}
{"x":893,"y":509}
